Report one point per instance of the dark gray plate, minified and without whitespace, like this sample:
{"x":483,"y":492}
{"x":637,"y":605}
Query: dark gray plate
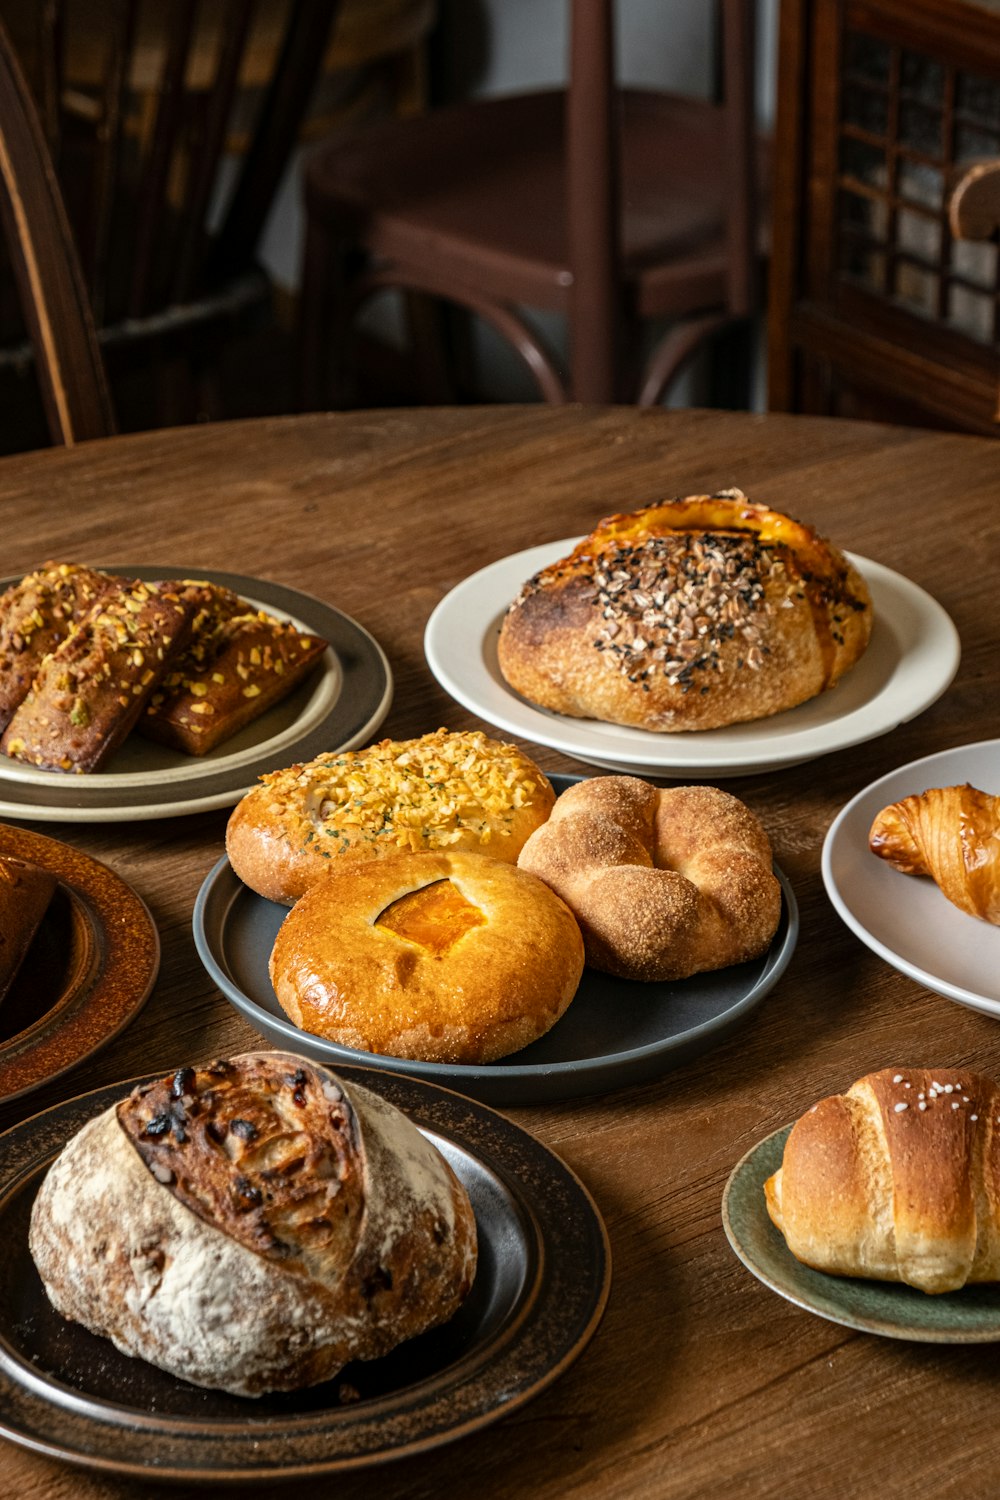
{"x":971,"y":1316}
{"x":339,"y":706}
{"x":541,"y":1286}
{"x":615,"y":1032}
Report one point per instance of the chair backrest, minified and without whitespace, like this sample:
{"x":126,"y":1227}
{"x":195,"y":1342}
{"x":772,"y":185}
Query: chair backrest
{"x":594,"y":206}
{"x":43,"y":257}
{"x":141,"y":104}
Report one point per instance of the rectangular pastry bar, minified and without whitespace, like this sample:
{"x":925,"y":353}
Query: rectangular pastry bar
{"x":35,"y":616}
{"x":88,"y":693}
{"x":239,"y":663}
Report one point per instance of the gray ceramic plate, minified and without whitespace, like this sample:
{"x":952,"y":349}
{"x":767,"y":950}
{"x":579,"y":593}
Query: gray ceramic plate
{"x":89,"y":970}
{"x":339,"y":706}
{"x":615,"y":1032}
{"x":541,"y":1287}
{"x":971,"y":1316}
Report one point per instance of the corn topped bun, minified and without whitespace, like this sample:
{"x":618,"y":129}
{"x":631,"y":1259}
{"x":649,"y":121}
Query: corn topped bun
{"x":688,"y":614}
{"x":445,"y":791}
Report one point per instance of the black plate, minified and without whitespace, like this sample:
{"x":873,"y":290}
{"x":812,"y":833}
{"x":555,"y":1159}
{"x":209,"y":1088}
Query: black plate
{"x":615,"y":1032}
{"x":541,"y":1287}
{"x":339,"y":706}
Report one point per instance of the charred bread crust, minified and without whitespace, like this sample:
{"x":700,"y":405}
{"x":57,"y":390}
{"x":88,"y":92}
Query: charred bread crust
{"x":35,"y":616}
{"x":25,"y":893}
{"x":447,"y":791}
{"x":89,"y":692}
{"x":898,"y":1179}
{"x":253,"y":1225}
{"x":239,"y":663}
{"x":687,"y":614}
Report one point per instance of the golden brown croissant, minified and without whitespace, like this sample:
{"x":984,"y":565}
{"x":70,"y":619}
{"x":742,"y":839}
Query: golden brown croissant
{"x":951,"y":833}
{"x":896,"y":1180}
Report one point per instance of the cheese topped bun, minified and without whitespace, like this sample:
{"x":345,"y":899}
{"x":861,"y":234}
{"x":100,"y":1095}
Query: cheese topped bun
{"x":445,"y":791}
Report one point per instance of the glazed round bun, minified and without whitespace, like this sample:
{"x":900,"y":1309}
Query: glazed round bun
{"x":446,"y":957}
{"x":688,"y":614}
{"x":664,"y":883}
{"x":446,"y":791}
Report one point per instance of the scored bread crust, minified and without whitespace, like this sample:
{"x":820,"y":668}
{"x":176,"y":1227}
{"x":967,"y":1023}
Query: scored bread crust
{"x":665,"y":882}
{"x":501,"y":985}
{"x":898,"y":1179}
{"x":145,"y":1239}
{"x":445,"y":790}
{"x":687,"y":614}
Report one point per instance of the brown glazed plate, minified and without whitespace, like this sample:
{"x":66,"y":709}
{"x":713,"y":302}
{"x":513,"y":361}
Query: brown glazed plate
{"x":890,"y":1309}
{"x":339,"y":706}
{"x":541,"y":1287}
{"x":91,"y":966}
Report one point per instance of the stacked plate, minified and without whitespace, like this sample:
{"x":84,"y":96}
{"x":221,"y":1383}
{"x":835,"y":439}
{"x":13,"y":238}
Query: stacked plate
{"x":912,"y":658}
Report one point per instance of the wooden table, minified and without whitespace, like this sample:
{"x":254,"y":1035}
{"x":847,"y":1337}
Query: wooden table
{"x":700,"y":1382}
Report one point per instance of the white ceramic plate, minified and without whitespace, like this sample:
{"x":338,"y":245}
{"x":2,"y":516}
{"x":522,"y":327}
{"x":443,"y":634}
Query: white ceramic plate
{"x":339,"y":706}
{"x":913,"y":656}
{"x":905,"y":918}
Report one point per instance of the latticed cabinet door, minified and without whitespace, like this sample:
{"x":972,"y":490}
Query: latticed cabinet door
{"x":882,"y":304}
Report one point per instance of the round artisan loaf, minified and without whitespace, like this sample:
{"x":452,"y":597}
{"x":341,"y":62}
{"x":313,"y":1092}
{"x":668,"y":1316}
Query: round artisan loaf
{"x":253,"y":1225}
{"x":445,"y":957}
{"x":449,"y":791}
{"x":664,"y":883}
{"x":687,"y":614}
{"x":898,"y":1179}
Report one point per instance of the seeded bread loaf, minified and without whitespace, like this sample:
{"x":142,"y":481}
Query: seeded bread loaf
{"x":898,"y":1179}
{"x":89,"y":691}
{"x":35,"y":616}
{"x":239,"y":663}
{"x":445,"y":791}
{"x":253,"y":1225}
{"x":25,"y":893}
{"x":689,"y":614}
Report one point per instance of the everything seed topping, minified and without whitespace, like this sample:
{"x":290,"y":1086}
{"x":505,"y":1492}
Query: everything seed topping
{"x":667,"y":603}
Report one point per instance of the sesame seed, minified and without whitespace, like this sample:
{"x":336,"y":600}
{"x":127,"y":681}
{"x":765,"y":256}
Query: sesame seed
{"x":922,"y":1104}
{"x":898,"y":1108}
{"x":898,"y":1078}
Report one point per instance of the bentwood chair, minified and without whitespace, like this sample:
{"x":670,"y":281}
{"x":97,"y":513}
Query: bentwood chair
{"x":166,"y":222}
{"x":612,"y":206}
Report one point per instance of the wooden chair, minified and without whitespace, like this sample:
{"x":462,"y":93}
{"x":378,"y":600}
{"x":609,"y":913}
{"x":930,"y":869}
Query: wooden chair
{"x":611,"y":206}
{"x":169,"y":255}
{"x":43,"y":257}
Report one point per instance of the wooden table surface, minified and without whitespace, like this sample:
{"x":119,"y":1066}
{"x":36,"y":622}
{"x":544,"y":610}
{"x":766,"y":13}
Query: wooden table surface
{"x":700,"y":1381}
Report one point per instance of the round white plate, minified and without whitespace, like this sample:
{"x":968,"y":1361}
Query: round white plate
{"x":339,"y":706}
{"x":913,"y":656}
{"x":905,"y":918}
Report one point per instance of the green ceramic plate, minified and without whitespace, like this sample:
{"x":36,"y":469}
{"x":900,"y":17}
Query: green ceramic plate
{"x":971,"y":1316}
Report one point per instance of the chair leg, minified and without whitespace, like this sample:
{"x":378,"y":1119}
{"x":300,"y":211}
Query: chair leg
{"x":323,"y":323}
{"x":667,"y":359}
{"x":426,"y":320}
{"x":732,"y":366}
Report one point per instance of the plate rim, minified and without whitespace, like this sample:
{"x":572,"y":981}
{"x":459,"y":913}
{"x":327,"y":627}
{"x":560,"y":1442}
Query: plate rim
{"x":459,"y":1076}
{"x":96,"y":883}
{"x":672,"y":757}
{"x":985,"y":1004}
{"x":83,"y":799}
{"x":458,"y":1118}
{"x":749,"y":1166}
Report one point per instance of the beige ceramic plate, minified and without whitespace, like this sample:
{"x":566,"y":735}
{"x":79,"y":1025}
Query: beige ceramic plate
{"x":971,"y":1316}
{"x":88,"y":972}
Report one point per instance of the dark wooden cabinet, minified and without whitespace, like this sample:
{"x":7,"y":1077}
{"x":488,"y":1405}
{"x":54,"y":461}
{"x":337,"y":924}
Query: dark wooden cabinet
{"x":879,"y":307}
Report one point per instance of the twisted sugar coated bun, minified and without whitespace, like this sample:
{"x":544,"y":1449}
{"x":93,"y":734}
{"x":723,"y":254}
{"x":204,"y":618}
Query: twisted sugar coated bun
{"x":664,"y":883}
{"x":445,"y":791}
{"x":898,"y":1179}
{"x":445,"y":957}
{"x":687,"y":614}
